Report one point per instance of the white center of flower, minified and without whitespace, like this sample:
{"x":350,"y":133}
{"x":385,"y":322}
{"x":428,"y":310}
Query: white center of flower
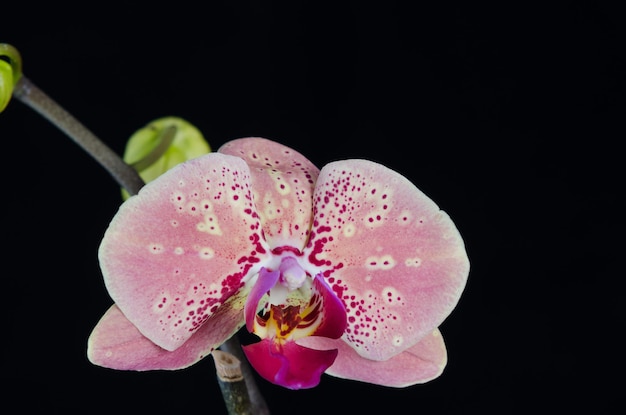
{"x":292,"y":275}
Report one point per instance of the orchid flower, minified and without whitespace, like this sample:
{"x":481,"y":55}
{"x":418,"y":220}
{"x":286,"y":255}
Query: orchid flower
{"x":348,"y":270}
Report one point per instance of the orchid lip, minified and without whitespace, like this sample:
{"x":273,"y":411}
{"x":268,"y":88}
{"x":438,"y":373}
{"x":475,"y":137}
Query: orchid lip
{"x":282,"y":307}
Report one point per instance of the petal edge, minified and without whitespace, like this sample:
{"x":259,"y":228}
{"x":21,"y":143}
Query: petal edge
{"x":421,"y":363}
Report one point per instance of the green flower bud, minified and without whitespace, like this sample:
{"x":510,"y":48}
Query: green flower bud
{"x":161,"y":145}
{"x":10,"y":72}
{"x":6,"y":84}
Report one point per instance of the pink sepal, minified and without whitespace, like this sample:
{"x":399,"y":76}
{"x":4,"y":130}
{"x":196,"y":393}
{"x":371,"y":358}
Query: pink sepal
{"x":420,"y":363}
{"x":117,"y":344}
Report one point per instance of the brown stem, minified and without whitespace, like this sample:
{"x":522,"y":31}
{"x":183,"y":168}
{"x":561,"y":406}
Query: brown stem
{"x":31,"y":95}
{"x":259,"y":406}
{"x":232,"y":383}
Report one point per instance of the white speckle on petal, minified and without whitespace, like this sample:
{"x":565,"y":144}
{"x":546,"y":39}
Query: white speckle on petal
{"x":349,"y":230}
{"x":413,"y":262}
{"x":391,"y":296}
{"x":405,"y":217}
{"x":385,"y":262}
{"x":179,"y":200}
{"x":156,"y":248}
{"x":375,"y":218}
{"x":179,"y":250}
{"x":193,"y":208}
{"x":174,"y":223}
{"x":206,"y":252}
{"x":206,"y":206}
{"x":283,"y":188}
{"x":270,"y":213}
{"x":209,"y":225}
{"x":397,"y":340}
{"x":271,"y":210}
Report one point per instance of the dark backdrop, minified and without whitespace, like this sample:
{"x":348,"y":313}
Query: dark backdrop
{"x":511,"y":117}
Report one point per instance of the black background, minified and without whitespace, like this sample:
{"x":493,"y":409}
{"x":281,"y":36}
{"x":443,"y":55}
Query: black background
{"x":511,"y":117}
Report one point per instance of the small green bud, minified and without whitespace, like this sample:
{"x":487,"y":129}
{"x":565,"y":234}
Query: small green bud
{"x":6,"y":84}
{"x":161,"y":145}
{"x":10,"y":72}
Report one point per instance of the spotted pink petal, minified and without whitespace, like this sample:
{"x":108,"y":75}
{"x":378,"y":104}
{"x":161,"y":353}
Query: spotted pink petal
{"x":289,"y":364}
{"x":420,"y":363}
{"x":395,"y":259}
{"x":282,"y":182}
{"x":177,"y":252}
{"x":117,"y":344}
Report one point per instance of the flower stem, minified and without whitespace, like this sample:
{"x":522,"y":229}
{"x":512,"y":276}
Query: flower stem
{"x":258,"y":404}
{"x":31,"y":95}
{"x":232,"y":383}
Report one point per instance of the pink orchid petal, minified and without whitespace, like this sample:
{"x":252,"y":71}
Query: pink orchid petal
{"x":283,"y":181}
{"x":117,"y":344}
{"x":332,"y":311}
{"x":396,"y":260}
{"x":179,"y":250}
{"x":289,"y":365}
{"x":420,"y":363}
{"x":265,"y":281}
